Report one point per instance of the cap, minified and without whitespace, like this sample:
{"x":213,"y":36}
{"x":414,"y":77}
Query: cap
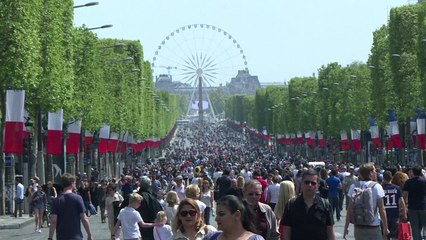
{"x":179,"y":177}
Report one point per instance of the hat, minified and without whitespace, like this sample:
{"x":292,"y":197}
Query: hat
{"x":36,"y":178}
{"x":179,"y":177}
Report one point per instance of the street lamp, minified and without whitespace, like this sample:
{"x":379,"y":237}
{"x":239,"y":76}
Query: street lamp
{"x":103,"y":26}
{"x":87,"y":5}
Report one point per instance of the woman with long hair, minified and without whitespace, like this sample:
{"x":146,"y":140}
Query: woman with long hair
{"x":172,"y":202}
{"x":188,"y":224}
{"x":233,"y":219}
{"x":39,"y":204}
{"x":286,"y":193}
{"x":206,"y":197}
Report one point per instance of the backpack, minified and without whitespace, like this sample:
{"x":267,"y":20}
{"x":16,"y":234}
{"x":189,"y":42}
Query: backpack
{"x":362,"y":212}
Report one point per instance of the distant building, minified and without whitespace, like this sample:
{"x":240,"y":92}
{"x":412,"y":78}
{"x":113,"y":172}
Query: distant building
{"x":243,"y":83}
{"x":164,"y":82}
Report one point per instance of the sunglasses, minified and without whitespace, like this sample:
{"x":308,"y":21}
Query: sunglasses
{"x":254,"y":194}
{"x":190,"y":212}
{"x":310,"y":183}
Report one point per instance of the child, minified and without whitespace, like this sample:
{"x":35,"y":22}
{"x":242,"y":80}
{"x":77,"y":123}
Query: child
{"x":164,"y":231}
{"x":129,"y":219}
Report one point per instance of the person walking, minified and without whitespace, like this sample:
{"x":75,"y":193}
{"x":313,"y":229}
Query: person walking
{"x":233,"y":219}
{"x":415,"y":190}
{"x":113,"y":200}
{"x":19,"y":199}
{"x":263,"y":216}
{"x":308,"y":216}
{"x":148,"y":208}
{"x":334,"y":186}
{"x":368,"y":177}
{"x":394,"y":204}
{"x":68,"y":211}
{"x":39,"y":205}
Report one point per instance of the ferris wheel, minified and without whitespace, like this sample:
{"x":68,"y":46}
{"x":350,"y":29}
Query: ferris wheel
{"x":199,"y":52}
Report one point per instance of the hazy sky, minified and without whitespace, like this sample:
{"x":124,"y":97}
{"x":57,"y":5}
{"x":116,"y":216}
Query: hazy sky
{"x":281,"y":39}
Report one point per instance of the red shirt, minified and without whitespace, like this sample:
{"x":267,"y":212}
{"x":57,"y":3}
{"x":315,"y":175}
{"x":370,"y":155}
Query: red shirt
{"x":264,"y":185}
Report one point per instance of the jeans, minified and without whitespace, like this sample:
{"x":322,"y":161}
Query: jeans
{"x":207,"y":211}
{"x":418,"y":222}
{"x":18,"y":207}
{"x":334,"y":202}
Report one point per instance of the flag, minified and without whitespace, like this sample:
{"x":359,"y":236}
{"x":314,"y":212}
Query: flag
{"x":112,"y":142}
{"x":14,"y":125}
{"x":374,"y":130}
{"x":356,"y":143}
{"x":299,"y":140}
{"x":54,"y":132}
{"x":394,"y":129}
{"x":73,"y":140}
{"x":421,"y":129}
{"x":344,"y":142}
{"x":308,"y":138}
{"x":103,"y":139}
{"x":321,"y":139}
{"x":389,"y":142}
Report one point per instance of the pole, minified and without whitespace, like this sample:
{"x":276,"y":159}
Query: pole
{"x":200,"y":99}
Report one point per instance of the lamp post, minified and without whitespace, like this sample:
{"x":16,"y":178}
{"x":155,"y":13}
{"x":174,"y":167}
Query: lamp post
{"x":100,"y":27}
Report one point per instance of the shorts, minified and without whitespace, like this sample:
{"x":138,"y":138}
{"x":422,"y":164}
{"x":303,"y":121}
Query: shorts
{"x":39,"y":206}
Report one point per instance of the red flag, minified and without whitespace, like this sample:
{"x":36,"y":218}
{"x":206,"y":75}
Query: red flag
{"x":103,"y":139}
{"x":421,"y":132}
{"x":112,"y":143}
{"x":356,"y":143}
{"x":73,"y":140}
{"x":14,"y":125}
{"x":344,"y":142}
{"x":54,"y":132}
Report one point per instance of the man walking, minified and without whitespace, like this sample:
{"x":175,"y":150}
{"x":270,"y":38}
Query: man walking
{"x":415,"y":190}
{"x":394,"y":204}
{"x":367,"y":174}
{"x":334,"y":186}
{"x":19,"y":199}
{"x":68,"y":211}
{"x":308,"y":216}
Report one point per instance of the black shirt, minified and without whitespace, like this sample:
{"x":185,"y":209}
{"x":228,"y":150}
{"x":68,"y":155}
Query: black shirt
{"x":308,"y":224}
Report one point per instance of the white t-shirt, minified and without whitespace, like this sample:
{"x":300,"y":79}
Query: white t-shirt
{"x":171,"y":213}
{"x":163,"y":233}
{"x":274,"y":190}
{"x":130,"y":218}
{"x":201,"y":205}
{"x":377,"y":192}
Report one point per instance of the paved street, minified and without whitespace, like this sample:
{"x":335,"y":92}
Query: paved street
{"x":100,"y":231}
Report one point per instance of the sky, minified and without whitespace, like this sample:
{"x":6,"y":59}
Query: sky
{"x":280,"y":39}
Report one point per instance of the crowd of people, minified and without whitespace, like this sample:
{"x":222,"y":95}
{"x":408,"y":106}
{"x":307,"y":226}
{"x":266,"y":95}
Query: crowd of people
{"x":252,"y":192}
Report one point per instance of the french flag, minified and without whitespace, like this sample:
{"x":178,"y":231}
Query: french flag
{"x":344,"y":142}
{"x":103,"y":139}
{"x":321,"y":139}
{"x":308,"y":138}
{"x":299,"y":138}
{"x":394,"y":129}
{"x":73,"y":140}
{"x":356,"y":143}
{"x":374,"y":130}
{"x":421,"y":129}
{"x":54,"y":132}
{"x":112,"y":143}
{"x":14,"y":126}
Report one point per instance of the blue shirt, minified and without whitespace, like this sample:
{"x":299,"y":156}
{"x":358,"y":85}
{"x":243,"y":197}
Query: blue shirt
{"x":391,"y":200}
{"x":333,"y":186}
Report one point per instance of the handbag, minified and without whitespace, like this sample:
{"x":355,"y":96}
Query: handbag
{"x":404,"y":231}
{"x":92,"y":209}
